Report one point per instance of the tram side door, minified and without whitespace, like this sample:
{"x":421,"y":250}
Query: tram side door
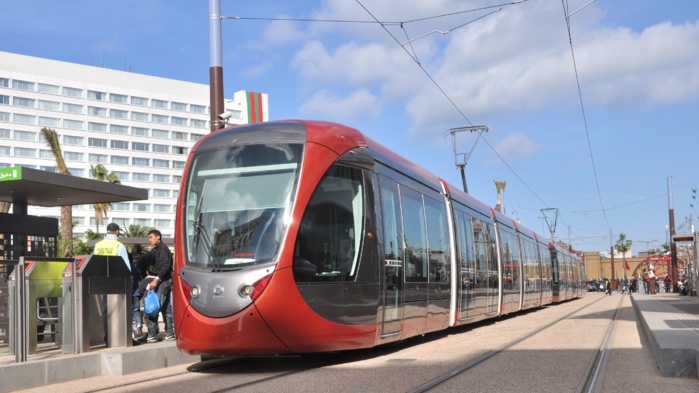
{"x":392,"y":258}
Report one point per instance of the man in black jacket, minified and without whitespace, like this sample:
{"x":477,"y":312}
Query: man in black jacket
{"x":162,"y":284}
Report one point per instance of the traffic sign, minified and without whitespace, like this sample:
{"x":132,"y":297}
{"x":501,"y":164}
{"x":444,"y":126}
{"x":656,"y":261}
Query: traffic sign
{"x":682,"y":238}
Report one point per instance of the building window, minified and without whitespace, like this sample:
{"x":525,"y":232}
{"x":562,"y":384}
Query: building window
{"x":122,"y":145}
{"x":46,"y":154}
{"x":177,"y":179}
{"x":179,"y":150}
{"x":120,"y":160}
{"x":120,"y":206}
{"x":73,"y":156}
{"x":176,"y":193}
{"x":4,"y":100}
{"x":144,"y":222}
{"x":72,"y":124}
{"x":24,"y":152}
{"x":139,"y":161}
{"x":136,"y":176}
{"x":160,"y":104}
{"x":48,"y":89}
{"x":139,"y":131}
{"x":140,"y":101}
{"x":25,"y":136}
{"x":160,"y":148}
{"x":116,"y":129}
{"x":73,"y":140}
{"x":49,"y":122}
{"x":161,"y":178}
{"x":4,"y":82}
{"x":23,"y":102}
{"x":197,"y":109}
{"x":5,"y":151}
{"x":178,"y":164}
{"x":158,"y":208}
{"x":162,"y":134}
{"x":141,"y":207}
{"x":22,"y":85}
{"x":97,"y":158}
{"x":179,"y":136}
{"x":178,"y":106}
{"x":160,"y":119}
{"x":72,"y":108}
{"x":49,"y":105}
{"x":118,"y":114}
{"x":96,"y":111}
{"x":96,"y":142}
{"x":24,"y":119}
{"x":159,"y":223}
{"x":180,"y":121}
{"x":5,"y":133}
{"x":121,"y":175}
{"x":4,"y":116}
{"x":71,"y":92}
{"x":161,"y":163}
{"x":197,"y":123}
{"x":139,"y":116}
{"x":77,"y":172}
{"x":96,"y":95}
{"x":118,"y":98}
{"x":139,"y":146}
{"x":97,"y":127}
{"x":160,"y":193}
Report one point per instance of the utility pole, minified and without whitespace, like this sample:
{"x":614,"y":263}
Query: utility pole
{"x":215,"y":66}
{"x":462,"y":164}
{"x":673,"y":248}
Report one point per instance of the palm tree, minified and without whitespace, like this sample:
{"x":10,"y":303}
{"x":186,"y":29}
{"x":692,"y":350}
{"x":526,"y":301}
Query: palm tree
{"x":137,"y":231}
{"x":622,"y":245}
{"x":100,"y":173}
{"x":51,"y":139}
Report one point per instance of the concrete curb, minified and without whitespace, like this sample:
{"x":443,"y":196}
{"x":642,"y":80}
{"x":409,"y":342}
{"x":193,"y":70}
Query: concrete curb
{"x":675,"y":344}
{"x":123,"y":361}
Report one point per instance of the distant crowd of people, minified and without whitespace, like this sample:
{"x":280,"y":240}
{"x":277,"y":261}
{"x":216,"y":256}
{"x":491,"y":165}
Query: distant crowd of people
{"x":647,"y":281}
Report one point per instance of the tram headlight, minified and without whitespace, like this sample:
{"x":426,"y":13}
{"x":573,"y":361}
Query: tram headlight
{"x":245,"y":290}
{"x":195,"y":291}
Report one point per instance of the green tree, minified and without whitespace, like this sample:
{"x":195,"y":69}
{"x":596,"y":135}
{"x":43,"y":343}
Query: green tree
{"x":137,"y":231}
{"x":51,"y":139}
{"x":99,"y":172}
{"x":623,"y":244}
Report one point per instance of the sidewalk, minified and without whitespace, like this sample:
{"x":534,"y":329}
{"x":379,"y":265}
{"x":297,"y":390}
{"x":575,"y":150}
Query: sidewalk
{"x":671,"y":324}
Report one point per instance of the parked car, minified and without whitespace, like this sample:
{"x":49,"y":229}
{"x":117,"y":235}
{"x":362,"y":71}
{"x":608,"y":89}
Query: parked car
{"x":592,"y":286}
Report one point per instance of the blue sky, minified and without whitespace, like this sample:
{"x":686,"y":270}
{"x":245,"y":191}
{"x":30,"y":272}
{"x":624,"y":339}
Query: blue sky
{"x":605,"y":171}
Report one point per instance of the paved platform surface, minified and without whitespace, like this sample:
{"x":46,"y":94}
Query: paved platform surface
{"x":670,"y":321}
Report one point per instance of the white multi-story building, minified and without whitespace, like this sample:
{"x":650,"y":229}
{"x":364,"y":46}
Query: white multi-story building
{"x":140,"y":127}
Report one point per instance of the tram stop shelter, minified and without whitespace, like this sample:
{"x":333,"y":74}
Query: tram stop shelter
{"x":23,"y":235}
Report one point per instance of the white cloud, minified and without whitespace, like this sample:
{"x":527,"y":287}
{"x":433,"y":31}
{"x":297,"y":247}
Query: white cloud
{"x":513,"y":148}
{"x":324,"y":104}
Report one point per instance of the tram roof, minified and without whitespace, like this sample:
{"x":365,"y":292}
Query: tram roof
{"x":48,"y":189}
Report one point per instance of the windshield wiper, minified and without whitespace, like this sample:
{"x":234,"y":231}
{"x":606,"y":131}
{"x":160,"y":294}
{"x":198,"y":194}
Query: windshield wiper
{"x":200,"y":232}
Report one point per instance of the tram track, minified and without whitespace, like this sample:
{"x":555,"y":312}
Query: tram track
{"x":591,"y":380}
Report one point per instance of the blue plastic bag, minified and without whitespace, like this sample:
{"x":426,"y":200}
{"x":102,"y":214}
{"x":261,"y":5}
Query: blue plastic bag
{"x":152,"y":303}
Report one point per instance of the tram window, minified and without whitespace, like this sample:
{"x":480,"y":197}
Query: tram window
{"x":416,"y":269}
{"x":328,"y":243}
{"x":438,"y":240}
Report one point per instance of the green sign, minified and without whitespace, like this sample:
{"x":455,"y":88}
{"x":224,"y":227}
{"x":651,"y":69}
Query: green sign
{"x":11,"y":173}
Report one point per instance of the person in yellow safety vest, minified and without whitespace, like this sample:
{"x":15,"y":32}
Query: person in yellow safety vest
{"x":111,"y":245}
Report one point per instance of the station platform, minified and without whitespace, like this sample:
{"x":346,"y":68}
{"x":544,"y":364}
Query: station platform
{"x":670,"y":322}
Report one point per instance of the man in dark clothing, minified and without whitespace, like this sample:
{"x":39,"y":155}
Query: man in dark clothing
{"x":162,"y":284}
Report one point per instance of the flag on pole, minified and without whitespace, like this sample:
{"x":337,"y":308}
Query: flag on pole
{"x":626,"y":264}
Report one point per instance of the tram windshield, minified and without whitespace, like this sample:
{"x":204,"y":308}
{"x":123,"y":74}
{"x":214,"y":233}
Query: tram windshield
{"x":236,"y":202}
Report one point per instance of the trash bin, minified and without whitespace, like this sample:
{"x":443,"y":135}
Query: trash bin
{"x":86,"y":321}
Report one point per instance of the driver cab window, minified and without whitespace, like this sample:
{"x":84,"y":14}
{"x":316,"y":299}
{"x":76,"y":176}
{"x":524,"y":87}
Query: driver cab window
{"x":328,"y":242}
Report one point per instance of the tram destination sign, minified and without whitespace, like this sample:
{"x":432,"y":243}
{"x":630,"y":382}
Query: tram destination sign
{"x":682,"y":238}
